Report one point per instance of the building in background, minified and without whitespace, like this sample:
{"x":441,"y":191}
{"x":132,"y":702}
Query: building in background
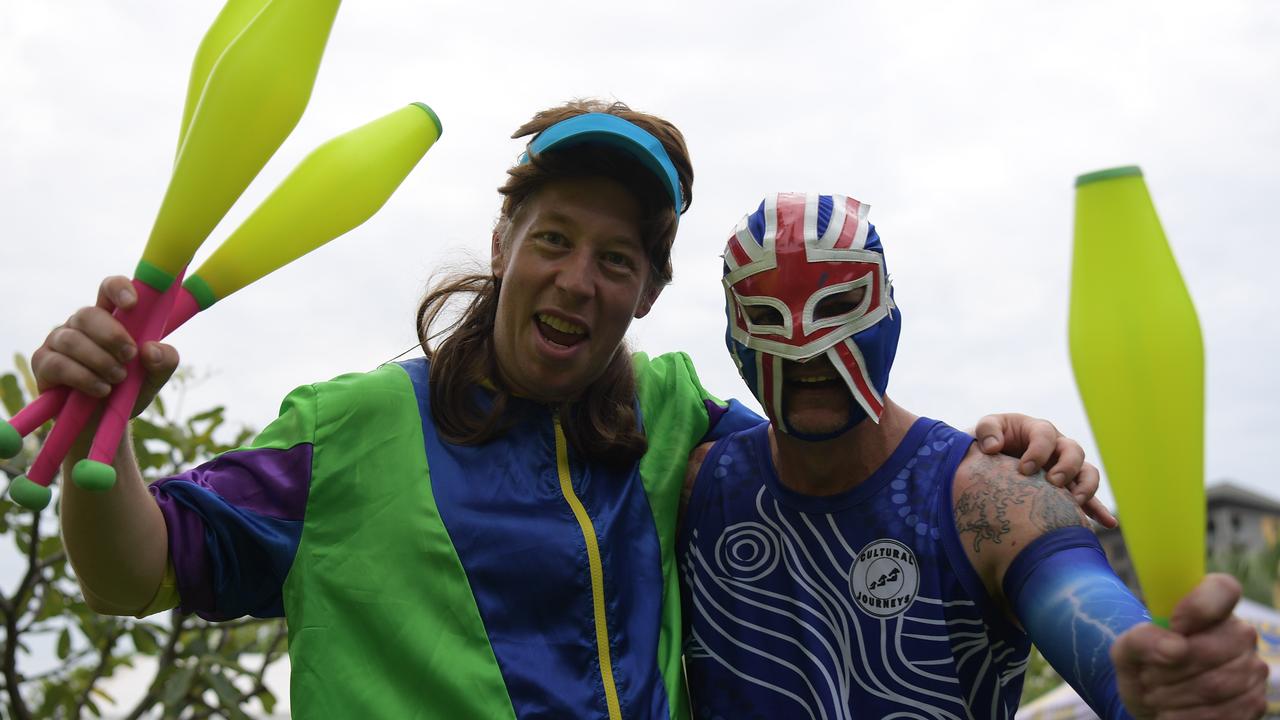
{"x":1239,"y":522}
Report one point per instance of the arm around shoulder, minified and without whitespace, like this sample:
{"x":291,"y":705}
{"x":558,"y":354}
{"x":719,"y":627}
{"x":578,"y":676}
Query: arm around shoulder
{"x":696,"y":459}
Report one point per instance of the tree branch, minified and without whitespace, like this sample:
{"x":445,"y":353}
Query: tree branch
{"x":165,"y":659}
{"x":12,"y":609}
{"x":104,"y":660}
{"x":259,"y":680}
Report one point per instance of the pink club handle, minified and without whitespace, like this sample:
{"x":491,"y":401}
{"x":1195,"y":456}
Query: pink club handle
{"x":145,"y":323}
{"x":72,"y":417}
{"x":40,"y":411}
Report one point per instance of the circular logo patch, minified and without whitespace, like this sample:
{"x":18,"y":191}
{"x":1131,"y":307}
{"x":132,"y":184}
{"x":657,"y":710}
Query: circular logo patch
{"x":885,"y":578}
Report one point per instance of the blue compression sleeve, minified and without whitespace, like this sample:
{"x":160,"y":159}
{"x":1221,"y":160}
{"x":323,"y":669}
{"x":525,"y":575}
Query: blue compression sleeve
{"x":1073,"y":606}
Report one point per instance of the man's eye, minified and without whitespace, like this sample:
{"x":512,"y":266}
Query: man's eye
{"x":763,"y":315}
{"x":552,"y":238}
{"x":834,"y":305}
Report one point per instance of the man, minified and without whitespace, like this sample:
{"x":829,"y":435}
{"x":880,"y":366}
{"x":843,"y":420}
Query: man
{"x":851,"y":559}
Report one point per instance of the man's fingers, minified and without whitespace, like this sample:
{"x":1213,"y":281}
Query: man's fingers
{"x":1248,"y":704}
{"x":1210,"y":686}
{"x":1208,"y":604}
{"x":1213,"y":648}
{"x":1145,"y":645}
{"x":1042,"y":439}
{"x":116,"y":292}
{"x":990,"y":433}
{"x":1068,"y":464}
{"x":1100,"y":513}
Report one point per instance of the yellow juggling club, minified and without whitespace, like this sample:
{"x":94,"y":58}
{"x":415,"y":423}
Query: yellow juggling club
{"x":252,"y":97}
{"x":338,"y":186}
{"x":231,"y":21}
{"x":1139,"y":362}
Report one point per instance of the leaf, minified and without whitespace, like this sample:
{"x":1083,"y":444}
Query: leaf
{"x":10,"y":394}
{"x":228,"y":694}
{"x":50,"y":546}
{"x":64,"y":643}
{"x":177,"y":686}
{"x":268,"y":700}
{"x":28,"y":378}
{"x":144,"y":429}
{"x":143,"y":639}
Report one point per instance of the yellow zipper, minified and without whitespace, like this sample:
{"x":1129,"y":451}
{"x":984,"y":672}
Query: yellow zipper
{"x":597,"y":572}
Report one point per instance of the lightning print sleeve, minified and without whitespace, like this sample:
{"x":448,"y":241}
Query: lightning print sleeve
{"x":1074,"y":607}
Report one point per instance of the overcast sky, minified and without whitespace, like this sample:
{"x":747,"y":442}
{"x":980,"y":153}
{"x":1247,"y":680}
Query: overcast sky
{"x":962,"y":124}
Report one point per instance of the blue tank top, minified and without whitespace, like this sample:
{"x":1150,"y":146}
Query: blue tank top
{"x":857,"y":605}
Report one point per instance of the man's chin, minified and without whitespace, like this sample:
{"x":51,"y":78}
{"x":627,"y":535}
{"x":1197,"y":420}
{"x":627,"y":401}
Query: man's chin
{"x":813,"y":423}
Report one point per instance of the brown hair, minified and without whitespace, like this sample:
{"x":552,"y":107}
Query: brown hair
{"x":601,"y":423}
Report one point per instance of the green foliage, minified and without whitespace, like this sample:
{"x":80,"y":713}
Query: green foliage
{"x":202,"y":669}
{"x":1258,"y":572}
{"x":1040,"y":677}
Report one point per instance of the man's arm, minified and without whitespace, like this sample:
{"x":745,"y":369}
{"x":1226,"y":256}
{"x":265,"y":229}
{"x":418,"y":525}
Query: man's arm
{"x":690,"y":476}
{"x":1036,"y":556}
{"x":999,"y":511}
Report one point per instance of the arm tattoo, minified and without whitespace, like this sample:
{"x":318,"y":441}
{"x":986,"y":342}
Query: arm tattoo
{"x":983,"y":508}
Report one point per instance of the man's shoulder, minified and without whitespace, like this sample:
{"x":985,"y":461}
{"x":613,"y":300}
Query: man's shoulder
{"x":999,"y":511}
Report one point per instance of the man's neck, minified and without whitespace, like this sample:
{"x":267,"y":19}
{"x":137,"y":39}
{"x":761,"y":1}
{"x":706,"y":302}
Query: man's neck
{"x":828,"y":467}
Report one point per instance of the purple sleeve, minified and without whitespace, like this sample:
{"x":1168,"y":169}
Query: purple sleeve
{"x":233,"y":525}
{"x":728,"y":418}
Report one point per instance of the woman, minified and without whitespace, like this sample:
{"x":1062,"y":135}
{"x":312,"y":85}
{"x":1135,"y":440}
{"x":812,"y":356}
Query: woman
{"x":485,"y":532}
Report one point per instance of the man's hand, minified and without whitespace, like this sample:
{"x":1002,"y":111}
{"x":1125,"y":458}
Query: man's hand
{"x":1205,"y":665}
{"x":89,"y":352}
{"x":1043,"y":447}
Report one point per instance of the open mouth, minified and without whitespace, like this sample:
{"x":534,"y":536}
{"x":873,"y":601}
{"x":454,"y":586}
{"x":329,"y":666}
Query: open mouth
{"x":559,"y":331}
{"x":815,"y":382}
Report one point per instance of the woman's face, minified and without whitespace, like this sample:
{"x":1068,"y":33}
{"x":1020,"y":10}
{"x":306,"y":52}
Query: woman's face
{"x":574,"y":274}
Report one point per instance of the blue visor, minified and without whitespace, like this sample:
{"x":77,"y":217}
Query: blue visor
{"x":614,"y":131}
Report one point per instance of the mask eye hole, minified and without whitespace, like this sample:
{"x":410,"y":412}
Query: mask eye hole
{"x":839,"y":304}
{"x":763,"y":315}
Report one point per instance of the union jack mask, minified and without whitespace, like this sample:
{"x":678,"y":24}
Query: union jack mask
{"x":804,"y":275}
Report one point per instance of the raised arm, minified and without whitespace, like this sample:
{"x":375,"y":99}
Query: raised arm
{"x":116,"y":540}
{"x":1038,"y":560}
{"x":1036,"y":556}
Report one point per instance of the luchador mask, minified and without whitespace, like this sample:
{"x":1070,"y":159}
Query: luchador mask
{"x":784,"y":264}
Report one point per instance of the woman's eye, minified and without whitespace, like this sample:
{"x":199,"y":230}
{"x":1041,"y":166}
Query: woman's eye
{"x":553,"y":238}
{"x":619,"y":259}
{"x":763,"y":315}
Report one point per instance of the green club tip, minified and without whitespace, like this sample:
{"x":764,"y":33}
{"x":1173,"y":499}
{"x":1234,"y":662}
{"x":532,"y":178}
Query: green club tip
{"x":93,"y":475}
{"x":1108,"y":174}
{"x":10,"y":440}
{"x":434,"y":117}
{"x":28,"y":494}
